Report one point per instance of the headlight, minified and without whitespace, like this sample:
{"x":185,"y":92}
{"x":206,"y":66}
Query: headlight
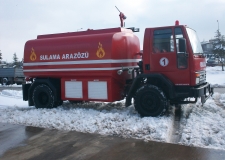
{"x":197,"y":75}
{"x":200,"y":77}
{"x":197,"y":81}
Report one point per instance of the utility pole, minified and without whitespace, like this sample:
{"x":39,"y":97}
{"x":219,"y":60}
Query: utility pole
{"x":0,"y":57}
{"x":218,"y":25}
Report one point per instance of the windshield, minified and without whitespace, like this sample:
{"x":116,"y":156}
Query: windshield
{"x":195,"y":43}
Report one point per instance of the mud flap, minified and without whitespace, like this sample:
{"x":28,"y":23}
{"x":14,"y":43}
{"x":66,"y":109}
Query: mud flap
{"x":205,"y":97}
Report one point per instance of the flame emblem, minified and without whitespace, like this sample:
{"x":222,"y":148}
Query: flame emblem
{"x":100,"y":52}
{"x":33,"y":55}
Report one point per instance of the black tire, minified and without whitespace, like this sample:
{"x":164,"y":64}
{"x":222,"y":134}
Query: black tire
{"x":43,"y":97}
{"x":150,"y":101}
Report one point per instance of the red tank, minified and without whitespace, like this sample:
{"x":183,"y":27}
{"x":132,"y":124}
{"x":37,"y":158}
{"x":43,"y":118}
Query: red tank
{"x":86,"y":57}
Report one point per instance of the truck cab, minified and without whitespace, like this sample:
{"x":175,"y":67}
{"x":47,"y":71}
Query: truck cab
{"x":176,"y":53}
{"x":173,"y":66}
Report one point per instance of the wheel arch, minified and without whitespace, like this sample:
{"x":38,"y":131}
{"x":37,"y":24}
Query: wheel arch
{"x":156,"y":79}
{"x":163,"y":83}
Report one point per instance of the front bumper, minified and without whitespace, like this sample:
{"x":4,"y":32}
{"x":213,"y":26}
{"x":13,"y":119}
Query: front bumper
{"x":204,"y":91}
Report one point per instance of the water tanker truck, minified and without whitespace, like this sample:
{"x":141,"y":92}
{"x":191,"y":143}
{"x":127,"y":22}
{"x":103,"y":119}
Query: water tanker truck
{"x":107,"y":65}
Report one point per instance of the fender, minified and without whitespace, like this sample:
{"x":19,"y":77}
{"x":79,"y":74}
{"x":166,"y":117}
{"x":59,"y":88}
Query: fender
{"x":153,"y":76}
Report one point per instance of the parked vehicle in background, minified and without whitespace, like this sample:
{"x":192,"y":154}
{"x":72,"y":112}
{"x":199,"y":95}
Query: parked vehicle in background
{"x":11,"y":76}
{"x":212,"y":62}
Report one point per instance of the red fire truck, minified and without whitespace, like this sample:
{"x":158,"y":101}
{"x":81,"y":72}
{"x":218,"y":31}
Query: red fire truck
{"x":108,"y":65}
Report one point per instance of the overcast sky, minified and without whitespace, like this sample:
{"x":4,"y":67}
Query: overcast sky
{"x":25,"y":19}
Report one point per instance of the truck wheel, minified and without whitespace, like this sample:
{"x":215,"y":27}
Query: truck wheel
{"x":150,"y":101}
{"x":43,"y":97}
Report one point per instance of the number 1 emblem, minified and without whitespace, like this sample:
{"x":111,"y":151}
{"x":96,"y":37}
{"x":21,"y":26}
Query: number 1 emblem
{"x":164,"y":61}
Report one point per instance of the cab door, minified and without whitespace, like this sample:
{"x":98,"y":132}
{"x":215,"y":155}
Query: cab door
{"x":168,"y":54}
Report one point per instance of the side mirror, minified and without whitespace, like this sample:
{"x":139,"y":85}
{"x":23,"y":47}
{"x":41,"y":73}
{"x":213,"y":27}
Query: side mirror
{"x":182,"y":45}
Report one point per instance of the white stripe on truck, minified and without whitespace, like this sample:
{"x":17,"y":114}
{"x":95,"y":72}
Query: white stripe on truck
{"x":76,"y":69}
{"x":82,"y":62}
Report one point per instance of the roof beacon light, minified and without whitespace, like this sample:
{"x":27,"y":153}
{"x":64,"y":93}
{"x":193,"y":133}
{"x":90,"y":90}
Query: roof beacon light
{"x":176,"y":23}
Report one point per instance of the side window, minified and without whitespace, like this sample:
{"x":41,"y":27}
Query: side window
{"x":182,"y":61}
{"x":178,"y":34}
{"x":163,"y":41}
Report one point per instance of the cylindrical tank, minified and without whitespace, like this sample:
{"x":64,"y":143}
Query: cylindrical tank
{"x":87,"y":53}
{"x":88,"y":60}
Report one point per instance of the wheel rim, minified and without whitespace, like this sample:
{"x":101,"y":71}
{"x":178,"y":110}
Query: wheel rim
{"x":43,"y":98}
{"x":149,"y":103}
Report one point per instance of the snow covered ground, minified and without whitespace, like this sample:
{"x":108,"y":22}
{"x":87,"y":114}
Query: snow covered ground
{"x":201,"y":126}
{"x":215,"y":76}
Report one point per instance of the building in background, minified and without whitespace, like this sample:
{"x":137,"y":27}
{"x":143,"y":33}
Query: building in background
{"x":207,"y":47}
{"x":211,"y":59}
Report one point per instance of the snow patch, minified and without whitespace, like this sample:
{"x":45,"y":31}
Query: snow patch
{"x":200,"y":126}
{"x":101,"y":118}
